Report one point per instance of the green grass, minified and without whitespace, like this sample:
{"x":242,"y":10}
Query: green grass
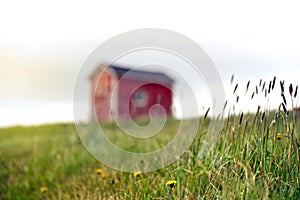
{"x":246,"y":163}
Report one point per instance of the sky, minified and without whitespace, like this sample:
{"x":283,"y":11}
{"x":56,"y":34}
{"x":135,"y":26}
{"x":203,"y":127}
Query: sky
{"x":43,"y":45}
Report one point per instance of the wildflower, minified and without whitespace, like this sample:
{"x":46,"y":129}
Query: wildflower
{"x":43,"y":189}
{"x":171,"y":183}
{"x":103,"y":175}
{"x":278,"y":137}
{"x":98,"y":171}
{"x":137,"y":174}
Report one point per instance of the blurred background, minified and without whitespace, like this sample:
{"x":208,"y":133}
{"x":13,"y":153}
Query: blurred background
{"x":44,"y":44}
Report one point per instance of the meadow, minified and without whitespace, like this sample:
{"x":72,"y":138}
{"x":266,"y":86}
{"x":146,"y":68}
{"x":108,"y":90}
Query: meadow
{"x":255,"y":157}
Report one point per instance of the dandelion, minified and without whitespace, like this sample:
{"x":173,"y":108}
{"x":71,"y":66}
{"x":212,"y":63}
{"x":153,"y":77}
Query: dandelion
{"x":171,"y":183}
{"x":278,"y":137}
{"x":98,"y":171}
{"x":137,"y":174}
{"x":103,"y":175}
{"x":43,"y":189}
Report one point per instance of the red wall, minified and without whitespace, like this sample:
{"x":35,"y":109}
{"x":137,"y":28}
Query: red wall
{"x":101,"y":100}
{"x":156,"y":94}
{"x":102,"y":97}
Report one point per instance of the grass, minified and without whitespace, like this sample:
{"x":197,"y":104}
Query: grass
{"x":255,"y":157}
{"x":248,"y":162}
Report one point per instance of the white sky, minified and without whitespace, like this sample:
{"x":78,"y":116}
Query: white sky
{"x":44,"y":43}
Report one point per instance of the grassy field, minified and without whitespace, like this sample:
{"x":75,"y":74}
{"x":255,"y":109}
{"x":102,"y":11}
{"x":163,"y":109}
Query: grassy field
{"x":255,"y":157}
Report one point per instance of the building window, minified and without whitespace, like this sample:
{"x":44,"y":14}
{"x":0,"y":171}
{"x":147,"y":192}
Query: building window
{"x":139,"y":98}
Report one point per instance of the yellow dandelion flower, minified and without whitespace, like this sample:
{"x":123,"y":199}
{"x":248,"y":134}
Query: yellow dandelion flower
{"x":137,"y":174}
{"x":43,"y":189}
{"x":98,"y":171}
{"x":278,"y":137}
{"x":103,"y":175}
{"x":171,"y":183}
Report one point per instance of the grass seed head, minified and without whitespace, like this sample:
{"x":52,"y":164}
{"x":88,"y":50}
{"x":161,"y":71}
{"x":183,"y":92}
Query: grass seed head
{"x":263,"y":87}
{"x":247,"y":87}
{"x":206,"y":113}
{"x":241,"y":118}
{"x":282,"y":86}
{"x":273,"y":83}
{"x":291,"y":89}
{"x":296,"y":90}
{"x":263,"y":116}
{"x":283,"y":98}
{"x":284,"y":109}
{"x":232,"y":77}
{"x":260,"y":82}
{"x":270,"y":86}
{"x":235,"y":88}
{"x":225,"y":104}
{"x":266,"y":93}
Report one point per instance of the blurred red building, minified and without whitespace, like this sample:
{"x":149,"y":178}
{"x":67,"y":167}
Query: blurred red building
{"x":129,"y":93}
